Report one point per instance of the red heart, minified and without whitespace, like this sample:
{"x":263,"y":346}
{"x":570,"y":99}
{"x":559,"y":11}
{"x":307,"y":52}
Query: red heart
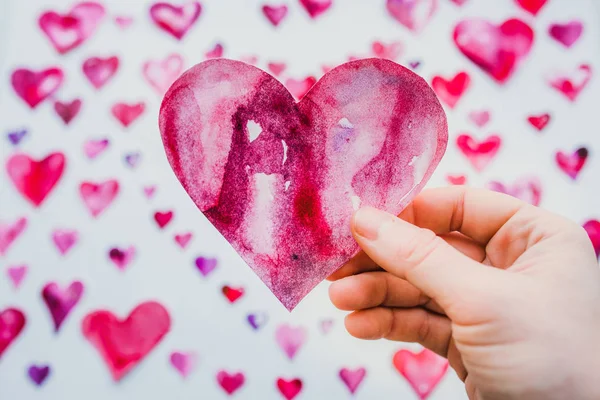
{"x":232,"y":294}
{"x":423,"y":370}
{"x":451,"y":91}
{"x":161,"y":74}
{"x":456,"y":179}
{"x":230,"y":382}
{"x":413,"y":14}
{"x":289,"y":389}
{"x":566,"y":34}
{"x":592,"y":228}
{"x":479,"y":153}
{"x":275,"y":14}
{"x":571,"y":86}
{"x":127,"y":113}
{"x":66,"y":32}
{"x":281,"y":179}
{"x":163,"y":218}
{"x":539,"y":122}
{"x":124,"y":343}
{"x":98,"y":196}
{"x":175,"y":20}
{"x":35,"y":179}
{"x":100,"y":70}
{"x":495,"y":49}
{"x":299,"y":88}
{"x":572,"y":164}
{"x":12,"y":322}
{"x":316,"y":7}
{"x":532,"y":6}
{"x":35,"y":87}
{"x":67,"y":111}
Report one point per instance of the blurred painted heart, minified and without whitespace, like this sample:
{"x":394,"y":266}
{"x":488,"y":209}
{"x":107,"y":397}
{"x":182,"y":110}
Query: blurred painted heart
{"x":480,"y":118}
{"x":121,"y":258}
{"x":68,"y":31}
{"x":9,"y":232}
{"x":127,"y":113}
{"x":100,"y":70}
{"x":352,"y":378}
{"x":60,"y":302}
{"x":182,"y":239}
{"x":456,"y":179}
{"x":316,"y":7}
{"x":184,"y":363}
{"x":64,"y":239}
{"x":423,"y":370}
{"x":205,"y":265}
{"x":160,"y":74}
{"x":230,"y":382}
{"x":528,"y":189}
{"x":498,"y":50}
{"x":326,"y":325}
{"x":123,"y":21}
{"x":163,"y":218}
{"x":289,"y":388}
{"x":92,"y":148}
{"x":12,"y":322}
{"x":175,"y":20}
{"x":16,"y":274}
{"x":98,"y":196}
{"x":459,"y":2}
{"x":215,"y":52}
{"x":38,"y":373}
{"x":539,"y":122}
{"x":450,"y":91}
{"x":479,"y":153}
{"x":566,"y":34}
{"x":572,"y":84}
{"x":413,"y":14}
{"x":299,"y":88}
{"x":572,"y":164}
{"x":299,"y":167}
{"x":390,"y":51}
{"x":414,"y":65}
{"x":67,"y":111}
{"x":257,"y":320}
{"x":275,"y":14}
{"x":290,"y":339}
{"x":232,"y":294}
{"x":35,"y":179}
{"x":123,"y":343}
{"x":149,"y":191}
{"x":34,"y":87}
{"x":276,"y":68}
{"x":592,"y":228}
{"x":133,"y":159}
{"x":532,"y":6}
{"x":15,"y":137}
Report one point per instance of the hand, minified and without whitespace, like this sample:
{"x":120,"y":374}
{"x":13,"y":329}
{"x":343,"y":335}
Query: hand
{"x":508,"y":292}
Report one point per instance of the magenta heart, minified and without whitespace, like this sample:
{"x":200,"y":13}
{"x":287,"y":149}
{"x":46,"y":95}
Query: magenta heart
{"x":566,"y":34}
{"x":61,"y":302}
{"x":413,"y":14}
{"x":35,"y":87}
{"x":275,"y":14}
{"x":290,"y":339}
{"x":230,"y":382}
{"x":184,"y":363}
{"x":9,"y":231}
{"x":479,"y":153}
{"x":12,"y":322}
{"x":316,"y":7}
{"x":38,"y":374}
{"x":526,"y":189}
{"x":64,"y":239}
{"x":352,"y":378}
{"x":573,"y":163}
{"x":298,"y":88}
{"x":16,"y":274}
{"x":423,"y":370}
{"x":281,"y":179}
{"x":162,"y":73}
{"x":121,"y":258}
{"x":163,"y":218}
{"x":289,"y":389}
{"x":497,"y":50}
{"x":35,"y":179}
{"x":100,"y":70}
{"x":127,"y":113}
{"x":98,"y":196}
{"x":572,"y":84}
{"x":215,"y":52}
{"x":149,"y":191}
{"x":173,"y":19}
{"x":92,"y":148}
{"x":592,"y":227}
{"x":67,"y":111}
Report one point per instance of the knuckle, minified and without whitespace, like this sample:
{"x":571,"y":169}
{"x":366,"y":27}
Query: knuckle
{"x":424,"y":328}
{"x":419,"y":248}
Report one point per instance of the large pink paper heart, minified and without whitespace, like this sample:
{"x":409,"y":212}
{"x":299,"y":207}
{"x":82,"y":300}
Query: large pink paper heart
{"x":279,"y":179}
{"x":174,"y":19}
{"x":35,"y":179}
{"x":60,"y":302}
{"x":413,"y":14}
{"x":496,"y":49}
{"x":35,"y":87}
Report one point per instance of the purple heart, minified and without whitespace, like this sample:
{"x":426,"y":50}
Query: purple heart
{"x":132,"y":159}
{"x":61,"y":302}
{"x":38,"y":374}
{"x":414,"y":64}
{"x":257,"y":320}
{"x":206,"y":265}
{"x":16,"y":136}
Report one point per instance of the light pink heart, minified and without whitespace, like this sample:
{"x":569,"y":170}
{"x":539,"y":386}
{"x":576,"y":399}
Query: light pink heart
{"x":16,"y":274}
{"x":352,"y":378}
{"x":183,"y":362}
{"x":182,"y":239}
{"x":413,"y":14}
{"x":92,"y":148}
{"x":98,"y":196}
{"x":9,"y":232}
{"x":64,"y":239}
{"x":160,"y":74}
{"x":528,"y":189}
{"x":290,"y":339}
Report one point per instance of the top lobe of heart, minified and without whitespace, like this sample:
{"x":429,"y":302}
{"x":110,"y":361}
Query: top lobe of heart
{"x":279,"y":179}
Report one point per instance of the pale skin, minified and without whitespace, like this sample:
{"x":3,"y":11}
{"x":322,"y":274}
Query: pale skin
{"x":508,"y":292}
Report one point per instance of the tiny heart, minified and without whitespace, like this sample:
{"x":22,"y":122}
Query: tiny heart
{"x":390,"y":51}
{"x":299,"y":88}
{"x":528,"y":189}
{"x":205,"y":265}
{"x":35,"y":179}
{"x":160,"y":74}
{"x":163,"y":218}
{"x":68,"y":31}
{"x":352,"y":378}
{"x":290,"y":339}
{"x":459,"y":2}
{"x":479,"y":153}
{"x":121,"y":258}
{"x":230,"y":382}
{"x":566,"y":34}
{"x":296,"y":171}
{"x":149,"y":191}
{"x":414,"y":65}
{"x":123,"y":22}
{"x":480,"y":118}
{"x":182,"y":239}
{"x":413,"y":14}
{"x":456,"y":179}
{"x":423,"y":370}
{"x":100,"y":70}
{"x":316,"y":7}
{"x":173,"y":19}
{"x":450,"y":91}
{"x":61,"y":302}
{"x":184,"y":363}
{"x":532,"y":6}
{"x":38,"y":373}
{"x":232,"y":294}
{"x":257,"y":320}
{"x":92,"y":148}
{"x":123,"y":344}
{"x":127,"y":113}
{"x":497,"y":50}
{"x":326,"y":325}
{"x":571,"y":85}
{"x":35,"y":87}
{"x":572,"y":164}
{"x":9,"y":232}
{"x":133,"y":159}
{"x":275,"y":14}
{"x":592,"y":228}
{"x":12,"y":322}
{"x":276,"y":68}
{"x":289,"y":389}
{"x":98,"y":196}
{"x":64,"y":239}
{"x":215,"y":52}
{"x":67,"y":111}
{"x":15,"y":137}
{"x":16,"y":275}
{"x":539,"y":122}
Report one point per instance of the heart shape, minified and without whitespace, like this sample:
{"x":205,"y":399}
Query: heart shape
{"x":173,"y":19}
{"x":127,"y":113}
{"x":182,"y":239}
{"x":573,"y":163}
{"x":298,"y":88}
{"x":423,"y":370}
{"x":121,"y":258}
{"x":316,"y":7}
{"x":35,"y":87}
{"x":456,"y":179}
{"x":390,"y":51}
{"x":352,"y":378}
{"x":123,"y":344}
{"x":539,"y":122}
{"x":161,"y":74}
{"x":64,"y":239}
{"x":12,"y":322}
{"x":479,"y":153}
{"x":257,"y":320}
{"x":68,"y":31}
{"x":61,"y":302}
{"x":480,"y":118}
{"x":163,"y":218}
{"x":284,"y":200}
{"x":35,"y":179}
{"x":100,"y":70}
{"x":290,"y":339}
{"x":67,"y":111}
{"x":413,"y":14}
{"x":532,"y":6}
{"x":571,"y":85}
{"x":289,"y":388}
{"x":206,"y":265}
{"x":230,"y":382}
{"x":275,"y":14}
{"x":497,"y":50}
{"x":528,"y":189}
{"x":232,"y":294}
{"x":276,"y":68}
{"x":566,"y":34}
{"x":184,"y":363}
{"x":16,"y":274}
{"x":92,"y":148}
{"x":38,"y":373}
{"x":592,"y":227}
{"x":9,"y":231}
{"x":215,"y":52}
{"x":98,"y":196}
{"x":15,"y":137}
{"x":450,"y":91}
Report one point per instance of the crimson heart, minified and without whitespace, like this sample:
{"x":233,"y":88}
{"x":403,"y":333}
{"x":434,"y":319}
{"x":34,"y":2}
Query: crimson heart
{"x":423,"y":370}
{"x":232,"y":294}
{"x":532,"y":6}
{"x":279,"y":179}
{"x":163,"y":218}
{"x":124,"y":343}
{"x":496,"y":49}
{"x":35,"y":87}
{"x":35,"y":179}
{"x":230,"y":382}
{"x":450,"y":91}
{"x":539,"y":122}
{"x":12,"y":322}
{"x":289,"y":389}
{"x":175,"y":20}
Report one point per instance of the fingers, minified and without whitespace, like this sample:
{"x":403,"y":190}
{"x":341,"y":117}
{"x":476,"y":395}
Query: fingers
{"x":406,"y":325}
{"x":357,"y":264}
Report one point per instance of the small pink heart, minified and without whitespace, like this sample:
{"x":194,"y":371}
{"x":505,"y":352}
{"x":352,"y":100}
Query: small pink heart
{"x":149,"y":191}
{"x":92,"y":148}
{"x":182,"y":239}
{"x":100,"y":70}
{"x":413,"y":14}
{"x":61,"y":302}
{"x":352,"y":378}
{"x":566,"y":34}
{"x":571,"y":85}
{"x":289,"y":388}
{"x":9,"y":232}
{"x":230,"y":382}
{"x":389,"y":51}
{"x":290,"y":339}
{"x":528,"y":189}
{"x":573,"y":163}
{"x":423,"y":370}
{"x":67,"y":111}
{"x":539,"y":122}
{"x":276,"y":68}
{"x":479,"y":153}
{"x":121,"y":258}
{"x":326,"y":325}
{"x":123,"y":21}
{"x":456,"y":179}
{"x":160,"y":74}
{"x":184,"y":363}
{"x":480,"y":118}
{"x":127,"y":113}
{"x":450,"y":91}
{"x":163,"y":218}
{"x":592,"y":228}
{"x":35,"y":179}
{"x":459,"y":2}
{"x":275,"y":14}
{"x":215,"y":52}
{"x":98,"y":196}
{"x":34,"y":87}
{"x":299,"y":88}
{"x":16,"y":274}
{"x":64,"y":239}
{"x":316,"y":7}
{"x":175,"y":20}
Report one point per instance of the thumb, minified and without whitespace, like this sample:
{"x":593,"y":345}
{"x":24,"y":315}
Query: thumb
{"x":422,"y":258}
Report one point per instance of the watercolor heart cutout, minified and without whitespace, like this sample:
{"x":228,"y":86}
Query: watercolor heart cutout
{"x":161,"y":74}
{"x":60,"y":302}
{"x":290,"y":339}
{"x":390,"y":51}
{"x":532,"y":6}
{"x":480,"y":118}
{"x":9,"y":232}
{"x":450,"y":91}
{"x":539,"y":122}
{"x":299,"y":153}
{"x":289,"y":388}
{"x":423,"y":370}
{"x":205,"y":265}
{"x":123,"y":344}
{"x":12,"y":322}
{"x":314,"y":8}
{"x":65,"y":239}
{"x":175,"y":20}
{"x":100,"y":70}
{"x":352,"y":378}
{"x":98,"y":196}
{"x":413,"y":14}
{"x":15,"y":137}
{"x":93,"y":147}
{"x":275,"y":14}
{"x":572,"y":164}
{"x":183,"y":362}
{"x":215,"y":52}
{"x":528,"y":189}
{"x":35,"y":179}
{"x":38,"y":373}
{"x":479,"y":153}
{"x":16,"y":274}
{"x":566,"y":34}
{"x":35,"y":87}
{"x":592,"y":227}
{"x":497,"y":50}
{"x":230,"y":382}
{"x":67,"y":111}
{"x":126,"y":114}
{"x":571,"y":85}
{"x":121,"y":258}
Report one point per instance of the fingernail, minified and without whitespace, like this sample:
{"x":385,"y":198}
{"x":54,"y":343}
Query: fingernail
{"x":368,"y":221}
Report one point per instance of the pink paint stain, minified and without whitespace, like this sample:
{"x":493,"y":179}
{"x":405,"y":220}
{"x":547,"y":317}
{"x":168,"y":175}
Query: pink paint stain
{"x":479,"y":153}
{"x":283,"y":178}
{"x":290,"y":339}
{"x":12,"y":322}
{"x":572,"y":164}
{"x":592,"y":227}
{"x":16,"y":274}
{"x":413,"y":14}
{"x":450,"y":91}
{"x":423,"y":370}
{"x":64,"y":239}
{"x":126,"y":114}
{"x":566,"y":34}
{"x":528,"y":189}
{"x":100,"y":70}
{"x":67,"y":110}
{"x":275,"y":14}
{"x":175,"y":20}
{"x":572,"y":84}
{"x":60,"y":302}
{"x":289,"y":388}
{"x":34,"y":87}
{"x":9,"y":232}
{"x":121,"y":257}
{"x":183,"y":362}
{"x":230,"y":383}
{"x":98,"y":196}
{"x":160,"y":74}
{"x":92,"y":148}
{"x":352,"y":378}
{"x":35,"y":179}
